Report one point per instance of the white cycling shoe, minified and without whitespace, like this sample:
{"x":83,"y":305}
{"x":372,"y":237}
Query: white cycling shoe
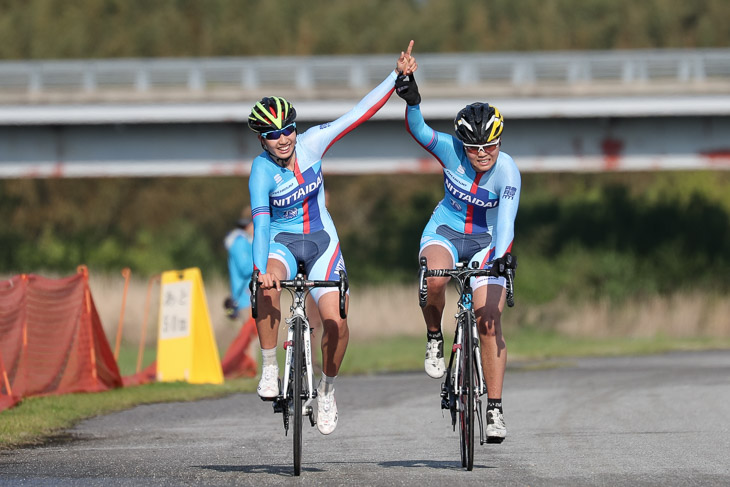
{"x":269,"y":384}
{"x":434,"y":363}
{"x":496,"y":429}
{"x":326,"y":413}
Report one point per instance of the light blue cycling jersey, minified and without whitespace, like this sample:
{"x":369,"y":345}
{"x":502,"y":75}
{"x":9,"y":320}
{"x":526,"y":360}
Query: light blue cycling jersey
{"x":475,"y":219}
{"x":291,"y":222}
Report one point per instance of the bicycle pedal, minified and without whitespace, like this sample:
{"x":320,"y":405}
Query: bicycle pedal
{"x":278,"y":405}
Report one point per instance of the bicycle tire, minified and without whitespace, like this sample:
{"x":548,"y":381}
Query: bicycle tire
{"x":467,"y":396}
{"x":297,"y":393}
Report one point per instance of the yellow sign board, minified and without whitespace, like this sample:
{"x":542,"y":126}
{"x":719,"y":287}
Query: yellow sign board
{"x":186,"y":348}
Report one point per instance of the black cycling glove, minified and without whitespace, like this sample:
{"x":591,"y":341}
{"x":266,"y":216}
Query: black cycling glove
{"x":231,"y":307}
{"x":406,"y":87}
{"x":500,"y":265}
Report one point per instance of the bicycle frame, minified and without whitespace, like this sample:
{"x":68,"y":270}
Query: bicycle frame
{"x":297,"y":310}
{"x":298,"y":376}
{"x":465,"y":383}
{"x":465,"y":307}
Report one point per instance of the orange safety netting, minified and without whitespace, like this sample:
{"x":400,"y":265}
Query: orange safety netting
{"x":51,"y":339}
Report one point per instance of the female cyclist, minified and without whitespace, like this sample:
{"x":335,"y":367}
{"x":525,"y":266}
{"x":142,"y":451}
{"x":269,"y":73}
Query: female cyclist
{"x":473,"y":222}
{"x":292,"y":225}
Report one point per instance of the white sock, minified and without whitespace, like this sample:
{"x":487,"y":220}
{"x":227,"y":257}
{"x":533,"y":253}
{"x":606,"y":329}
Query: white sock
{"x":327,"y":384}
{"x":268,"y":357}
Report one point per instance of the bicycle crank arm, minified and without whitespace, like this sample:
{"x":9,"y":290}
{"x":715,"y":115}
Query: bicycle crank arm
{"x":480,"y":417}
{"x":310,"y":413}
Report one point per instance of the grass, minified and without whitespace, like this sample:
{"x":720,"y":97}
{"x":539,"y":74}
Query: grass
{"x":386,"y":335}
{"x":36,"y":419}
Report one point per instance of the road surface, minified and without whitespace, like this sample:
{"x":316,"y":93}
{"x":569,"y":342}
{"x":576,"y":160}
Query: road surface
{"x":658,"y":420}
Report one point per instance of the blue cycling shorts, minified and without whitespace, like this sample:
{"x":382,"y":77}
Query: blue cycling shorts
{"x":317,"y":251}
{"x":463,"y":248}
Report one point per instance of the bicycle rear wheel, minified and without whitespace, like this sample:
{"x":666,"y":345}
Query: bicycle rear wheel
{"x":297,"y":392}
{"x":466,"y":396}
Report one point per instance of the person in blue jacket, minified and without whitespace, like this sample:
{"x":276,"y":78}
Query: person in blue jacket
{"x":239,"y":244}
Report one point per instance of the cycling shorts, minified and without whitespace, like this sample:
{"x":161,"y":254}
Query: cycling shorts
{"x":317,"y":251}
{"x":463,"y":247}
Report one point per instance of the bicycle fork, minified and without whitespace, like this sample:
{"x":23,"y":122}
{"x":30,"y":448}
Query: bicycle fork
{"x":482,"y":386}
{"x":450,"y":388}
{"x":283,"y":404}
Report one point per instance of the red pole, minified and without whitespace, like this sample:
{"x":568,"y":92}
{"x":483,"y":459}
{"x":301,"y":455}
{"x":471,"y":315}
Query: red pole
{"x":126,"y":272}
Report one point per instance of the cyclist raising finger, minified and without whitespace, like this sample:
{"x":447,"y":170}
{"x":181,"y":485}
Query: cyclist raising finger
{"x":292,"y":226}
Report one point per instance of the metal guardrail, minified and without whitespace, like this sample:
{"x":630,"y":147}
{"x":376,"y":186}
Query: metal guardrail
{"x":579,"y":72}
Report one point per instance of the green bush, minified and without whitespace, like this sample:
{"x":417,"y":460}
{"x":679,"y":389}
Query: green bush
{"x":582,"y":235}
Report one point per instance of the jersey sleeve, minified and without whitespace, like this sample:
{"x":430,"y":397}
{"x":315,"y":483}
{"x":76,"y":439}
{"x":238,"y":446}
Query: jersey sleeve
{"x":260,"y":184}
{"x":319,"y":139}
{"x":438,"y":144}
{"x":510,"y":186}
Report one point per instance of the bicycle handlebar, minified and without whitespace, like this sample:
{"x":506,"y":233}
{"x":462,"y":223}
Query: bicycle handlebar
{"x":299,"y":284}
{"x":462,"y":275}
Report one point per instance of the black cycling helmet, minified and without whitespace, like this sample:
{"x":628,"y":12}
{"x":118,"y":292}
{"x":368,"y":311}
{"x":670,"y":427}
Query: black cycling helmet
{"x":478,"y":123}
{"x":271,"y":113}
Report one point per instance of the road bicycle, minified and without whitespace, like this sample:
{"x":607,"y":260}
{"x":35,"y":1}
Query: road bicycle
{"x":464,"y":384}
{"x":298,"y":390}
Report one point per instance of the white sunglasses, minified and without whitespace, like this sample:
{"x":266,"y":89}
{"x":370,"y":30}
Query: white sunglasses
{"x":475,"y":148}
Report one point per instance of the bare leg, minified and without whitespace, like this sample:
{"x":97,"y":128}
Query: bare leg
{"x":269,"y":308}
{"x":438,"y":258}
{"x":494,"y":349}
{"x":335,"y":333}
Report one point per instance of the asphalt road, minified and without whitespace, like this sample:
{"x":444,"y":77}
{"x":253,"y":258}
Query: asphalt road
{"x":658,"y":420}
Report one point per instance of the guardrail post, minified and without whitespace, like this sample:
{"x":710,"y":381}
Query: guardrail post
{"x":35,"y":82}
{"x":89,"y":79}
{"x":305,"y":80}
{"x":249,"y":77}
{"x":142,"y":80}
{"x":196,"y":80}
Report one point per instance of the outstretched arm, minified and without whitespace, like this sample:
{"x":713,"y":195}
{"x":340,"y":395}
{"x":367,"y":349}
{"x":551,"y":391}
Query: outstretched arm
{"x":320,"y":139}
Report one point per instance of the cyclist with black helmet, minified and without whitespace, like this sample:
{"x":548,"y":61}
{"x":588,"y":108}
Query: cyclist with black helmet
{"x":292,"y":226}
{"x":473,"y":222}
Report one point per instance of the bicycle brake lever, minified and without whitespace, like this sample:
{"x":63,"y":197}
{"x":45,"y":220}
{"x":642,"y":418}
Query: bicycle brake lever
{"x":344,"y":285}
{"x":253,"y":286}
{"x":510,"y":289}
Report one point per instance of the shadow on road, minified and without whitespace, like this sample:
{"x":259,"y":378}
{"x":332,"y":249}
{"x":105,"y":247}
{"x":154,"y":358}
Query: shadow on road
{"x":282,"y":470}
{"x":436,"y":464}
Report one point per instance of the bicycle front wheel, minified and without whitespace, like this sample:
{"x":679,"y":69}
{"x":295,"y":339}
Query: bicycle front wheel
{"x":297,"y":392}
{"x":467,"y":395}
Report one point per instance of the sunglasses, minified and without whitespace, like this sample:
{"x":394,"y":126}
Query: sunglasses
{"x":275,"y":134}
{"x":475,"y":148}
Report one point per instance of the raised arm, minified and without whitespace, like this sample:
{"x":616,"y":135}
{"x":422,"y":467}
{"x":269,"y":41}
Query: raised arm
{"x":320,"y":139}
{"x":510,"y":185}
